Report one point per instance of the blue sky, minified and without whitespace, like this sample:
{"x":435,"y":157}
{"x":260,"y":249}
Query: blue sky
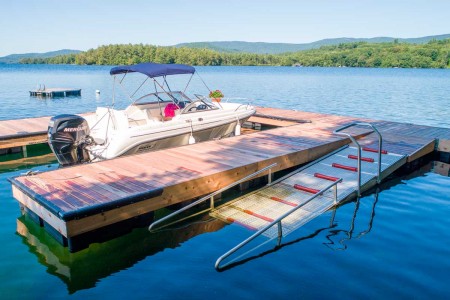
{"x":46,"y":25}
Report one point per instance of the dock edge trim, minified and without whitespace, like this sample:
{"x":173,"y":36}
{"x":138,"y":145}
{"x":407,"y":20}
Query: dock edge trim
{"x":85,"y":211}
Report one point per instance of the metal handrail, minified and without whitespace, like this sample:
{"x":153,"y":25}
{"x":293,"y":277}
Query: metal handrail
{"x":211,"y":196}
{"x":228,"y":99}
{"x":380,"y":143}
{"x":241,"y":105}
{"x":278,"y":222}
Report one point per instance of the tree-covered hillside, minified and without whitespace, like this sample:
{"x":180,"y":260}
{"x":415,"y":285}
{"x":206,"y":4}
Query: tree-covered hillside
{"x":277,"y":48}
{"x":16,"y":58}
{"x":434,"y":54}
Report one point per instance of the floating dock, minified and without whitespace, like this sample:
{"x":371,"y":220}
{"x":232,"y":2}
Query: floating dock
{"x":55,"y":92}
{"x":23,"y":132}
{"x":30,"y":131}
{"x":75,"y":203}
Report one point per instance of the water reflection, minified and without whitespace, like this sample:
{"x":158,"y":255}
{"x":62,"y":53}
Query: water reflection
{"x":56,"y":98}
{"x":339,"y":232}
{"x":81,"y":270}
{"x":27,"y":163}
{"x":349,"y":233}
{"x":24,"y":158}
{"x":332,"y":231}
{"x":441,"y":168}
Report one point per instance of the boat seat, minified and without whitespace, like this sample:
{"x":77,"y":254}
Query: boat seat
{"x":120,"y":119}
{"x":136,"y":115}
{"x":154,"y":115}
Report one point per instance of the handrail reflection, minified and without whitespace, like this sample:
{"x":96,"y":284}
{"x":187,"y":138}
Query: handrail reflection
{"x":350,"y":231}
{"x":332,"y":227}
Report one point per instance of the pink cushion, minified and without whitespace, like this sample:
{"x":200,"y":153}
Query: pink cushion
{"x":169,"y":110}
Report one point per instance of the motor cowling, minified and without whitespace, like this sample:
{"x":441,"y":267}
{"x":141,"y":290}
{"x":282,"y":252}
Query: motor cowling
{"x":68,"y":137}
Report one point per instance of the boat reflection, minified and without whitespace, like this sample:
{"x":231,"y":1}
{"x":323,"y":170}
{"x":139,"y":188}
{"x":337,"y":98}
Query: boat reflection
{"x":81,"y":270}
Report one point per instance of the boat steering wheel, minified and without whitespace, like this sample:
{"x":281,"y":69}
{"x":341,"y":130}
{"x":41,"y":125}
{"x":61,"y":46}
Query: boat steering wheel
{"x":191,"y":107}
{"x":200,"y":106}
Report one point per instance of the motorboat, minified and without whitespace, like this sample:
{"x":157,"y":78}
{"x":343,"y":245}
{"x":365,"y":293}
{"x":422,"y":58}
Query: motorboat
{"x":157,"y":120}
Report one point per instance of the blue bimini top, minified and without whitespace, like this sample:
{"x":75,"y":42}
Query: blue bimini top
{"x":154,"y":69}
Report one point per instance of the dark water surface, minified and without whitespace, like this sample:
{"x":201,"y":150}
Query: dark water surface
{"x":391,"y":244}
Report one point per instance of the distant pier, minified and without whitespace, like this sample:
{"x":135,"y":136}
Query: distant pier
{"x":55,"y":92}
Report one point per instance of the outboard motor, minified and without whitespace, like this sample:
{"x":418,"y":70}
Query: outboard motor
{"x":68,"y":136}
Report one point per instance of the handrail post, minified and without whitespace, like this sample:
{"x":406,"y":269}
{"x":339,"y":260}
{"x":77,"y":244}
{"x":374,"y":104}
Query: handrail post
{"x":359,"y":169}
{"x":380,"y":147}
{"x":335,"y":192}
{"x":280,"y":233}
{"x":359,"y":153}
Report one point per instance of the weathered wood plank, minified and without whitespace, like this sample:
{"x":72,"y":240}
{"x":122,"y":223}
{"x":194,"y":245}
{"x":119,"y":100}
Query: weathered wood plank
{"x":444,"y":145}
{"x":271,"y":122}
{"x":41,"y":211}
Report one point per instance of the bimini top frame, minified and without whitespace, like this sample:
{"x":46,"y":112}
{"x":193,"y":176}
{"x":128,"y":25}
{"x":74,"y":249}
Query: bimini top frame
{"x":153,"y":69}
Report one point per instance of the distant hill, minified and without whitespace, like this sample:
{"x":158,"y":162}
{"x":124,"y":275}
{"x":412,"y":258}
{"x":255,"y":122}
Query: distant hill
{"x":15,"y":58}
{"x":433,"y":54}
{"x":275,"y":48}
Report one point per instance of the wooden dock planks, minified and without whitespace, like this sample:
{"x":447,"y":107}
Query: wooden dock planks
{"x":427,"y":138}
{"x":76,"y":193}
{"x":79,"y":199}
{"x":17,"y":133}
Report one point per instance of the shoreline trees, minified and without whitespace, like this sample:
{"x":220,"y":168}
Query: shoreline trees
{"x":435,"y":54}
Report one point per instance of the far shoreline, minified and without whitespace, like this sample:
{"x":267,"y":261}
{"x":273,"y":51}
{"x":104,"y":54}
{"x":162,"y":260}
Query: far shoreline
{"x":234,"y":66}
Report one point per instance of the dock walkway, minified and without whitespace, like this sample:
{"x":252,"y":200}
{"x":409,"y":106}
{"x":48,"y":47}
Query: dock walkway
{"x":75,"y":201}
{"x":79,"y":199}
{"x":30,"y":131}
{"x":23,"y":132}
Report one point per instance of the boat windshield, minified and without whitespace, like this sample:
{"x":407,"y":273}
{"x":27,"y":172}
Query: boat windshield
{"x":180,"y":99}
{"x":176,"y":97}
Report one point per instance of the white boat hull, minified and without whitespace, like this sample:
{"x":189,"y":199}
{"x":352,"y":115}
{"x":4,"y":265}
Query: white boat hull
{"x":212,"y":133}
{"x":172,"y":134}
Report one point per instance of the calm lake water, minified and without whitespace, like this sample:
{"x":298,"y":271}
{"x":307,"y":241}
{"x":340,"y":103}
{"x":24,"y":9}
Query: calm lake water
{"x":390,"y":244}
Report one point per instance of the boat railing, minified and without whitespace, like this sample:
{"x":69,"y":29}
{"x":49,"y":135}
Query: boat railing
{"x":242,"y":105}
{"x":212,"y":195}
{"x":228,"y":99}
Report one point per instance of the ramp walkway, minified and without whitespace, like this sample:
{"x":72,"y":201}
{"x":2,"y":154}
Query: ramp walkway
{"x":283,"y":206}
{"x":312,"y":190}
